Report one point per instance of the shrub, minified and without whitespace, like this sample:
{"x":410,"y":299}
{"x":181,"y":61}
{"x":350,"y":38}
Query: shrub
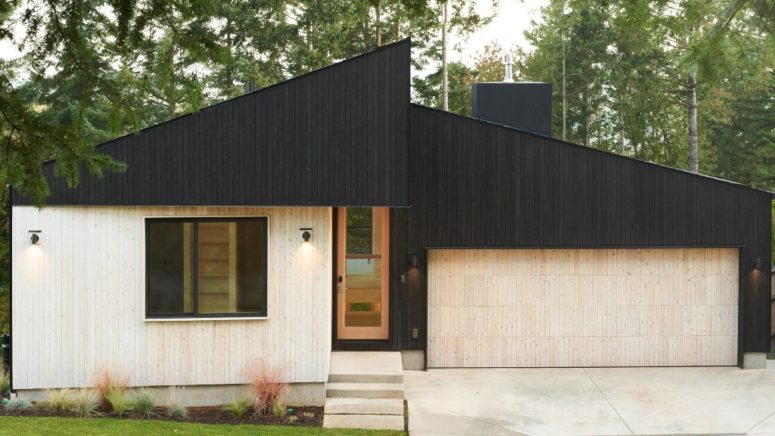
{"x":175,"y":407}
{"x":239,"y":406}
{"x":279,"y":409}
{"x":17,"y":404}
{"x":177,"y":411}
{"x":59,"y":400}
{"x":108,"y":381}
{"x":266,"y":386}
{"x":5,"y":380}
{"x":85,"y":402}
{"x":143,"y":402}
{"x":118,"y":401}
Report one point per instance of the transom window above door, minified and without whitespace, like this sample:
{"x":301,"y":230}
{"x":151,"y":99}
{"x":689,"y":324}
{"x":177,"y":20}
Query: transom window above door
{"x":206,"y":267}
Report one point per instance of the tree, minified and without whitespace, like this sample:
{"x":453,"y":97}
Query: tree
{"x":428,"y":90}
{"x":66,"y":39}
{"x":252,"y":36}
{"x":571,"y":50}
{"x":452,"y":17}
{"x":488,"y":68}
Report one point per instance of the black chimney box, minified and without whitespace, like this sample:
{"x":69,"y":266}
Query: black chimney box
{"x":525,"y":106}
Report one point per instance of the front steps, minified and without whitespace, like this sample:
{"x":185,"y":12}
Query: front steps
{"x":365,"y":390}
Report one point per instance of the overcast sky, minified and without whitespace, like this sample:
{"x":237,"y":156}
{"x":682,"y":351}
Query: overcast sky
{"x":507,"y":28}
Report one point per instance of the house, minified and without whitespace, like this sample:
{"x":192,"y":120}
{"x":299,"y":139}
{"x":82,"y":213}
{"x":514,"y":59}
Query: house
{"x":328,"y":212}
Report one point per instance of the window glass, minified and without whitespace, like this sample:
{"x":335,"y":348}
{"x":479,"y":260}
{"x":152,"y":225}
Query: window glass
{"x":169,"y":268}
{"x":206,"y":267}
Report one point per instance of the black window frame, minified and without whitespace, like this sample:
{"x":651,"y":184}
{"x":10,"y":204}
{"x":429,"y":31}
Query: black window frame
{"x":195,"y":315}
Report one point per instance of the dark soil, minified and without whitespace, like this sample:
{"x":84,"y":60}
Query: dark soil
{"x":303,"y":415}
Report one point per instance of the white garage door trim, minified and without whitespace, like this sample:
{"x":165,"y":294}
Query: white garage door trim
{"x":582,"y":307}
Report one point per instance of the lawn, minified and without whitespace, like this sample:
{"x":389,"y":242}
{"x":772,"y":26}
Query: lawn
{"x":110,"y":426}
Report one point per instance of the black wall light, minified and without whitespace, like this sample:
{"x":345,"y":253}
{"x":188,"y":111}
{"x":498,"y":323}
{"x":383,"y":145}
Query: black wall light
{"x":414,"y":259}
{"x":306,"y":233}
{"x":756,"y":263}
{"x":35,"y":236}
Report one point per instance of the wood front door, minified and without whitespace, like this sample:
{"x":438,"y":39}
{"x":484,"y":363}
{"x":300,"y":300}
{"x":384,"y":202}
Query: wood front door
{"x":362,"y":273}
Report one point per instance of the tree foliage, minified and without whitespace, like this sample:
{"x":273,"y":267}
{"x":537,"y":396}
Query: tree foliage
{"x":641,"y":63}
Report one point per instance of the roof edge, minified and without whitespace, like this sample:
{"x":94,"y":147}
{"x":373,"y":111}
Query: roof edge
{"x":291,"y":79}
{"x":573,"y":144}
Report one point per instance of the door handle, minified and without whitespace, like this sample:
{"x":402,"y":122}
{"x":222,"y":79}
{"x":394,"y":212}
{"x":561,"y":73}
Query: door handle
{"x":339,"y":284}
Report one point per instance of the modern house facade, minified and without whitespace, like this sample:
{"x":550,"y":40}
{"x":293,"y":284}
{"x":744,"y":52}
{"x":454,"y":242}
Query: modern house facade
{"x":327,"y":213}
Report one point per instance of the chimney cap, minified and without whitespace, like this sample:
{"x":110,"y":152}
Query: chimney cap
{"x":507,"y":63}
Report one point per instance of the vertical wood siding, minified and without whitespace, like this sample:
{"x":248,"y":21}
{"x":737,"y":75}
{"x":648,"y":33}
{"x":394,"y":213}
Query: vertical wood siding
{"x":336,"y":136}
{"x":477,"y":185}
{"x":582,"y":308}
{"x":78,"y":302}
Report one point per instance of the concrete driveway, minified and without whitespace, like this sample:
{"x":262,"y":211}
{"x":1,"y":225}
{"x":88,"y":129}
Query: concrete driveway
{"x":600,"y":401}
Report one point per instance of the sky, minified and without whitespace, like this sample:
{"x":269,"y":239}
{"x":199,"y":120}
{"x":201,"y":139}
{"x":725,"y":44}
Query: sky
{"x":508,"y":28}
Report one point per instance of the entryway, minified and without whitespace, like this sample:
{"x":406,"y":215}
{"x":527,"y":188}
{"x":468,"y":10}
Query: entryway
{"x":600,"y":401}
{"x":362,"y":269}
{"x":365,"y":390}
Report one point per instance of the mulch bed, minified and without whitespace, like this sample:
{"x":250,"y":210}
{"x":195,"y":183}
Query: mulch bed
{"x":309,"y":416}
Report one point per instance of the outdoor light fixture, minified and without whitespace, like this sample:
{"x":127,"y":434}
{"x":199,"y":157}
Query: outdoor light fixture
{"x":35,"y":236}
{"x":756,"y":262}
{"x":414,"y":259}
{"x":306,"y":233}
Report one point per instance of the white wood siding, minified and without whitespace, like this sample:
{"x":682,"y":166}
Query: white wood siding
{"x":582,"y":307}
{"x":79,"y":302}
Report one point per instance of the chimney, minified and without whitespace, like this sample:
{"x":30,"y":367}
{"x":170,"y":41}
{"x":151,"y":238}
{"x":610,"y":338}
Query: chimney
{"x":522,"y":105}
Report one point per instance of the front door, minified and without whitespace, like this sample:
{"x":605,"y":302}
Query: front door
{"x":362,"y":273}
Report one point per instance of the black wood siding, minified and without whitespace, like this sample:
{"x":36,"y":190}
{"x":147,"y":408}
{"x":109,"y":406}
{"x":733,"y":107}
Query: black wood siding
{"x":475,"y":184}
{"x":336,"y":136}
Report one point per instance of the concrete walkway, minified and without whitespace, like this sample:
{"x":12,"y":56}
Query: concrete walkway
{"x":600,"y":401}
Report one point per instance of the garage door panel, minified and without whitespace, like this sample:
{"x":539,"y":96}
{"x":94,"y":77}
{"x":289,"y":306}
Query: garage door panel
{"x":568,"y":307}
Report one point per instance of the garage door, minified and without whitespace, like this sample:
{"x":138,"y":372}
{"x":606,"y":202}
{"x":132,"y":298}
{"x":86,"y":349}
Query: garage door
{"x":582,"y":307}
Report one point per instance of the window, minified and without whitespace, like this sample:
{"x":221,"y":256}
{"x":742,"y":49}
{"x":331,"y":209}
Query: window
{"x":206,"y":267}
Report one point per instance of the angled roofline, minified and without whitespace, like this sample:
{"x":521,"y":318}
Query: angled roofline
{"x":592,"y":149}
{"x":257,"y":91}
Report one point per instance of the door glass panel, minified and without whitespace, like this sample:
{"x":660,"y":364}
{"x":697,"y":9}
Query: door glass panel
{"x":363,"y":268}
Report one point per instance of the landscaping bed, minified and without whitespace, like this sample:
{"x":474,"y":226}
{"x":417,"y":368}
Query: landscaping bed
{"x":309,"y":416}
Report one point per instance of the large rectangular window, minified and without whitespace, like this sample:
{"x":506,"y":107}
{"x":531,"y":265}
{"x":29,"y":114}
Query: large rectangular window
{"x":206,"y":267}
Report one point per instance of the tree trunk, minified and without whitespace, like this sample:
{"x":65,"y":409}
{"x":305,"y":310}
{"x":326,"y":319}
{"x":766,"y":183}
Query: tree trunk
{"x":587,"y":117}
{"x":444,"y":78}
{"x":230,"y":64}
{"x":564,"y":95}
{"x":691,"y":105}
{"x":378,"y":11}
{"x":621,"y":131}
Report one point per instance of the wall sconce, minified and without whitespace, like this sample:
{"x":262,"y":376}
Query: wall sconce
{"x":414,"y":259}
{"x":35,"y":236}
{"x":756,"y":262}
{"x":306,"y":233}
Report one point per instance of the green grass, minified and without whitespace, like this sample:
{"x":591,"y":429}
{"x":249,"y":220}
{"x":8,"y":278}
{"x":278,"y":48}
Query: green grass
{"x":109,"y":426}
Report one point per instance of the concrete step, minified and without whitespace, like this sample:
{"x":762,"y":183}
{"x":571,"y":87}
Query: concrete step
{"x":366,"y":378}
{"x":364,"y":406}
{"x":370,"y":422}
{"x":365,"y":390}
{"x":366,"y":367}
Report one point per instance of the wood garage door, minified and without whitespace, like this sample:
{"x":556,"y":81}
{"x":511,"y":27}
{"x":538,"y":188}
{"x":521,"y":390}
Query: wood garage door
{"x":582,"y":307}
